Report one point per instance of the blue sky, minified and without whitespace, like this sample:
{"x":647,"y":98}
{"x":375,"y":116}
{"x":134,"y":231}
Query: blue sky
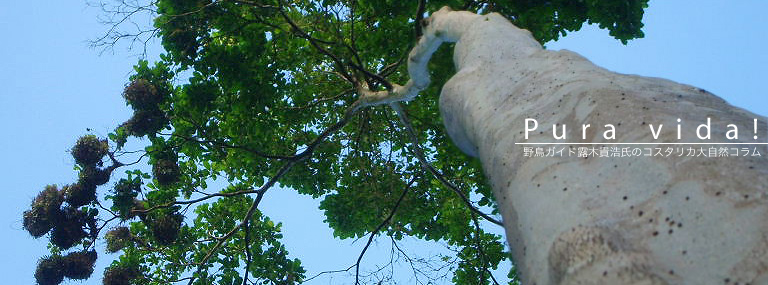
{"x":53,"y":87}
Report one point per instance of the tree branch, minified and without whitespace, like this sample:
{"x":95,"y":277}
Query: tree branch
{"x":234,"y":230}
{"x":262,"y":190}
{"x":378,"y":228}
{"x":417,"y":70}
{"x":420,"y":17}
{"x":247,"y":251}
{"x":418,"y":151}
{"x":316,"y":44}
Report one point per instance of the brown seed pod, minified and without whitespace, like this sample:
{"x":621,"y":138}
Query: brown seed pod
{"x":142,"y":95}
{"x":67,"y":237}
{"x":117,"y":239}
{"x":45,"y":211}
{"x":49,"y":199}
{"x":79,"y":265}
{"x":49,"y":270}
{"x":79,"y":194}
{"x":121,"y":275}
{"x":68,"y":231}
{"x":166,"y":171}
{"x":89,"y":150}
{"x":145,"y":122}
{"x":165,"y":225}
{"x":137,"y":210}
{"x":36,"y":223}
{"x":95,"y":176}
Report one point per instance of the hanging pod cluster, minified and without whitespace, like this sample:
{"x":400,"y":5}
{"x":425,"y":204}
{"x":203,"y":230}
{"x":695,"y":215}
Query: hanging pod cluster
{"x":144,"y":97}
{"x":166,"y":169}
{"x":122,"y":274}
{"x":164,"y":224}
{"x":59,"y":212}
{"x":52,"y":270}
{"x":118,"y":238}
{"x":88,"y":153}
{"x":44,"y":213}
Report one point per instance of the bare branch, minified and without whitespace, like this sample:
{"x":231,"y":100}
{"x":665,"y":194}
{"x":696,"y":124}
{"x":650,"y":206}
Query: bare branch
{"x":121,"y":14}
{"x":418,"y":151}
{"x":378,"y":228}
{"x":330,"y":272}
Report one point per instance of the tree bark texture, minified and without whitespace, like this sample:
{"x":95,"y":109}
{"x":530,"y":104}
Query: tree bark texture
{"x":600,"y":220}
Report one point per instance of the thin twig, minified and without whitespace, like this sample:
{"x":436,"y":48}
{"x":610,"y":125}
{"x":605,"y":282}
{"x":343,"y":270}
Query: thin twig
{"x":378,"y":228}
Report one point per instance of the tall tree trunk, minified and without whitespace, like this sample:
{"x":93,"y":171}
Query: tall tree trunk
{"x":600,"y":220}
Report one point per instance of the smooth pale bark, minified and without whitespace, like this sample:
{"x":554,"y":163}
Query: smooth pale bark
{"x":568,"y":220}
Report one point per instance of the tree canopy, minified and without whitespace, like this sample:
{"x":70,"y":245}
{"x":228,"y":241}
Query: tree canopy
{"x":261,"y":93}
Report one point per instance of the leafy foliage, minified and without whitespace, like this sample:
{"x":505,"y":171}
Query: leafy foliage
{"x":257,"y":92}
